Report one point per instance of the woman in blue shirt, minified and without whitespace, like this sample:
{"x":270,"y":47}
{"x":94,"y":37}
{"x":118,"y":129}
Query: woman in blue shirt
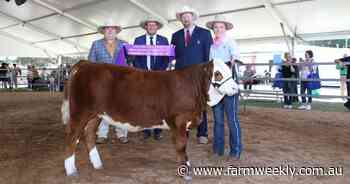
{"x":226,"y":50}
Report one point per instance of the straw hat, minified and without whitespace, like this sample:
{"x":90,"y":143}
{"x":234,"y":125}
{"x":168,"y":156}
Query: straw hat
{"x":109,"y":23}
{"x":187,"y":9}
{"x":144,"y":22}
{"x":221,"y":19}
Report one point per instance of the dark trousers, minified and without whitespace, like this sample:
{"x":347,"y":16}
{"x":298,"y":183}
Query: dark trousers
{"x":248,"y":85}
{"x":348,"y":88}
{"x":202,"y":130}
{"x":156,"y":132}
{"x":347,"y":103}
{"x":303,"y":89}
{"x":295,"y":91}
{"x":287,"y":88}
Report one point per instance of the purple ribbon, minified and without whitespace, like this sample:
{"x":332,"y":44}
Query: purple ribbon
{"x":144,"y":50}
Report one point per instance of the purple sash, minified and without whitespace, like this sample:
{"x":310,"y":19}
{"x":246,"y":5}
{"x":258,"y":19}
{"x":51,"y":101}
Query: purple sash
{"x":144,"y":50}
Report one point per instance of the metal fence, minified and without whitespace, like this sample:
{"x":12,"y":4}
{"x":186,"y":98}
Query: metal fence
{"x":278,"y":94}
{"x":52,"y":79}
{"x":40,"y":79}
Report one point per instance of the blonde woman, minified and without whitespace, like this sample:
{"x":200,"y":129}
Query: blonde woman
{"x":226,"y":50}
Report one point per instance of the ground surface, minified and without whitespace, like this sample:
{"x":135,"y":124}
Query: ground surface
{"x":31,"y":147}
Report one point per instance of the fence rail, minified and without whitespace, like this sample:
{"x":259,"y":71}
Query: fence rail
{"x":61,"y":74}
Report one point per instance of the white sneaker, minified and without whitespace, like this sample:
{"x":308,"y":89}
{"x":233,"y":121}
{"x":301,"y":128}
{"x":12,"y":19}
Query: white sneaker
{"x":290,"y":107}
{"x":302,"y":107}
{"x":285,"y":106}
{"x":308,"y":107}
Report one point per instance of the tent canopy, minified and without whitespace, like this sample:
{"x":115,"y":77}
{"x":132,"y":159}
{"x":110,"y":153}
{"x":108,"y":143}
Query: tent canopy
{"x":63,"y":27}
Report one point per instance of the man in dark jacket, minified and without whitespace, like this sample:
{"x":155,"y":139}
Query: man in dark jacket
{"x":192,"y":46}
{"x":151,"y":25}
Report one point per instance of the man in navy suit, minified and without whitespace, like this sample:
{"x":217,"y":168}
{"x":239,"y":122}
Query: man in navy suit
{"x":192,"y":46}
{"x":151,"y":25}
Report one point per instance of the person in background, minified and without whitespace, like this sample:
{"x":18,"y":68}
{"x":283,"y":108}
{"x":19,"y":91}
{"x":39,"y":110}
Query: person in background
{"x":192,"y":46}
{"x":3,"y":75}
{"x":8,"y":76}
{"x":267,"y":76}
{"x":288,"y":71}
{"x":306,"y":68}
{"x":295,"y":75}
{"x":52,"y":86}
{"x":106,"y":50}
{"x":248,"y":77}
{"x":149,"y":63}
{"x":343,"y":71}
{"x":30,"y":77}
{"x":36,"y":77}
{"x":346,"y":62}
{"x":226,"y":50}
{"x":16,"y":72}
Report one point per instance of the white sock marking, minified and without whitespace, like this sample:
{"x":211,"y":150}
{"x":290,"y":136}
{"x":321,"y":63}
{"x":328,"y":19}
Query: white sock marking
{"x":69,"y":164}
{"x":95,"y":158}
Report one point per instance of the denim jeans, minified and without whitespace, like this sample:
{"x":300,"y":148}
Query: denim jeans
{"x":228,"y":104}
{"x":303,"y":89}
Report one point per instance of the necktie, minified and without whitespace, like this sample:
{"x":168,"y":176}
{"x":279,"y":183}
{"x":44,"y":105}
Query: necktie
{"x":188,"y":37}
{"x":151,"y":57}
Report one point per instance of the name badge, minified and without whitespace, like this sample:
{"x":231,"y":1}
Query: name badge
{"x":198,"y":42}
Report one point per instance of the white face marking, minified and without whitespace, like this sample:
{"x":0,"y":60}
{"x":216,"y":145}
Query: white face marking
{"x":228,"y":87}
{"x":130,"y":127}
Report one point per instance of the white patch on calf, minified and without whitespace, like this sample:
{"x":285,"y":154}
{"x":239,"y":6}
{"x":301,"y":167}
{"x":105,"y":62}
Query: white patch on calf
{"x":130,"y":127}
{"x":162,"y":126}
{"x":121,"y":125}
{"x":95,"y":158}
{"x":65,"y":111}
{"x":69,"y":164}
{"x":188,"y":124}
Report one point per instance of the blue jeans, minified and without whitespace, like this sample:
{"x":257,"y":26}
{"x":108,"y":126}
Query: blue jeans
{"x":202,"y":130}
{"x":287,"y":88}
{"x":303,"y":88}
{"x":228,"y":104}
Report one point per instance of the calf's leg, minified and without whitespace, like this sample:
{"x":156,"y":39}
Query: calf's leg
{"x":90,"y":138}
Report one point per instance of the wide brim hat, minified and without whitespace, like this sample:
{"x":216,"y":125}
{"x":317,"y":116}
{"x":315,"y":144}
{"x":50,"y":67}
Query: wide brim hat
{"x":109,"y":23}
{"x":187,"y":9}
{"x":219,"y":19}
{"x":144,"y":22}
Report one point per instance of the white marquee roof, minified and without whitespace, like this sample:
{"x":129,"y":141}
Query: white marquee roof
{"x":60,"y":26}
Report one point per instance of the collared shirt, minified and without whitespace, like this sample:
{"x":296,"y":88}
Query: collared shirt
{"x":148,"y":42}
{"x":227,"y":51}
{"x":99,"y":52}
{"x":190,"y":29}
